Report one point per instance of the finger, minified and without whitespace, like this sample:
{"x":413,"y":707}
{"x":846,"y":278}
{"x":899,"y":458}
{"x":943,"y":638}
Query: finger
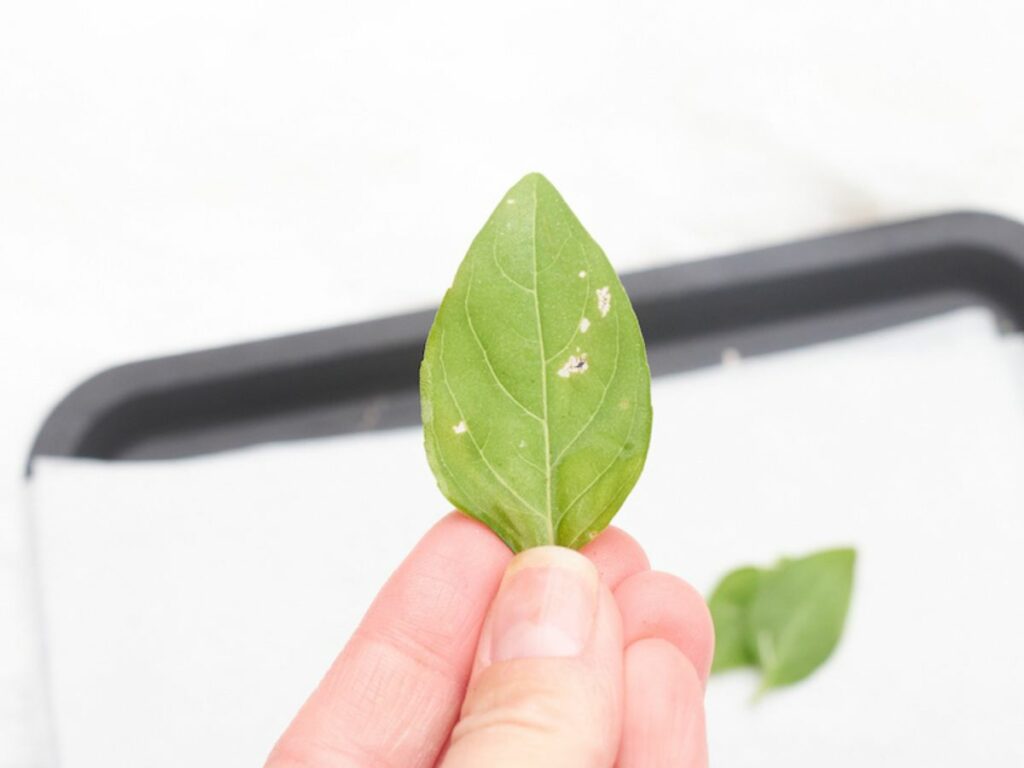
{"x":617,"y":556}
{"x":547,"y":684}
{"x":663,"y":722}
{"x":655,"y":604}
{"x":393,"y":694}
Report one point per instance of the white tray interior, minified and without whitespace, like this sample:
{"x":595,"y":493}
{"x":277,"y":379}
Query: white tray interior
{"x":190,"y":606}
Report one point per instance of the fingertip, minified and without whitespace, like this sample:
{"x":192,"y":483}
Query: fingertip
{"x":442,"y":589}
{"x":659,"y":605}
{"x":547,"y":685}
{"x":551,"y":556}
{"x":617,"y":556}
{"x":547,"y":604}
{"x":460,"y":525}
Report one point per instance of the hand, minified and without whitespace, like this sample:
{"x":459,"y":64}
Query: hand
{"x":578,"y":660}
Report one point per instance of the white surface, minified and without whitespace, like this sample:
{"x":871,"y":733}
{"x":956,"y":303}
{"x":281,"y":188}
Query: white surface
{"x":193,"y":605}
{"x":181,"y":175}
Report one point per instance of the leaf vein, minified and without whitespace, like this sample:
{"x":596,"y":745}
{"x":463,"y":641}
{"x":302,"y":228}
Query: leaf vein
{"x":497,"y":263}
{"x":543,"y":371}
{"x":583,"y":313}
{"x":469,"y":432}
{"x":601,"y":402}
{"x":483,"y":352}
{"x":602,"y":473}
{"x":558,"y":254}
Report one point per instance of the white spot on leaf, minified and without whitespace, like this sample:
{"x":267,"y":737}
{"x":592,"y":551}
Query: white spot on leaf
{"x":459,"y":428}
{"x":510,"y":201}
{"x":604,"y":300}
{"x":584,"y":325}
{"x":583,"y":273}
{"x":574,"y":365}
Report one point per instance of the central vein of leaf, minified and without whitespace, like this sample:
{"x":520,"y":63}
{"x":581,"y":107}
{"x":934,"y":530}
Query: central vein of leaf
{"x":543,"y":377}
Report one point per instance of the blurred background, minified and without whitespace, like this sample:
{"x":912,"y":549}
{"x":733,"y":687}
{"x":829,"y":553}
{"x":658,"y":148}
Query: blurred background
{"x":181,"y":176}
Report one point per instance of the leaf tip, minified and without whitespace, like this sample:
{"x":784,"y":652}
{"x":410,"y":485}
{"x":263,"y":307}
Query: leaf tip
{"x":534,"y":183}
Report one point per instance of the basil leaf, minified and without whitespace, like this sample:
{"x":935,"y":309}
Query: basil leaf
{"x":730,"y":610}
{"x":797,"y":615}
{"x":534,"y":387}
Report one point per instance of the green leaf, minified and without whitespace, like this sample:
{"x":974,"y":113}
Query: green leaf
{"x":798,"y":612}
{"x":534,"y":387}
{"x":730,"y":611}
{"x":785,"y":620}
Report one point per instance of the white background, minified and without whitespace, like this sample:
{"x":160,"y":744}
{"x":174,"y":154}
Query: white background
{"x":182,"y":175}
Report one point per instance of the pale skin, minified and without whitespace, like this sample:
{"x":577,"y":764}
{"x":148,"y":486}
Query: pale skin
{"x":549,"y":659}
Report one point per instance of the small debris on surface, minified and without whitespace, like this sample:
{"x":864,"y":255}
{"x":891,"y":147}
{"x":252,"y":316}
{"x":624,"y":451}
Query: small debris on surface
{"x":574,"y":365}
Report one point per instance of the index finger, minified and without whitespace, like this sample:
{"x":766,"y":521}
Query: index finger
{"x":394,"y":693}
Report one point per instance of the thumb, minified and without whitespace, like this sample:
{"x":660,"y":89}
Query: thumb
{"x":546,"y":688}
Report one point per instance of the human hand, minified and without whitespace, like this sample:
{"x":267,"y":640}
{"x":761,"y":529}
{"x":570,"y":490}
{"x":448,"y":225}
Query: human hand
{"x":579,"y":660}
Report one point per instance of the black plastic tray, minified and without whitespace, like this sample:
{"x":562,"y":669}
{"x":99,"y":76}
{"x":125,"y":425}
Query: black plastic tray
{"x":363,"y":377}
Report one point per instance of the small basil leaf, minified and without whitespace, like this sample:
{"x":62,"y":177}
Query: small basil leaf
{"x":534,"y":387}
{"x":730,"y":611}
{"x":798,"y":612}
